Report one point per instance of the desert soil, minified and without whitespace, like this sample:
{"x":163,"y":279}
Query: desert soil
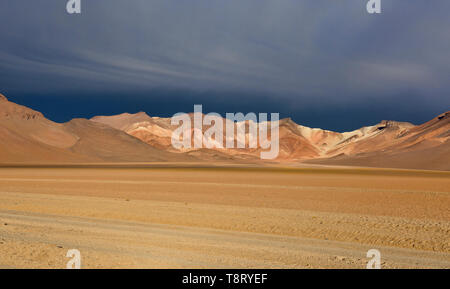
{"x":223,"y":217}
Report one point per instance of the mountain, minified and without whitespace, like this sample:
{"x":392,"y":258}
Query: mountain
{"x":398,"y":145}
{"x":26,"y":136}
{"x":386,"y":144}
{"x":157,"y":132}
{"x":152,"y":130}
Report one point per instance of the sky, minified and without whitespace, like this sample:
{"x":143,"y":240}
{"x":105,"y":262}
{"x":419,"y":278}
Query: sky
{"x":324,"y":63}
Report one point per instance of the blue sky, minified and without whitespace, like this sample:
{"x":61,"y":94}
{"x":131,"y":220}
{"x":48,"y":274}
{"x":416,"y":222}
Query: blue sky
{"x":325,"y":63}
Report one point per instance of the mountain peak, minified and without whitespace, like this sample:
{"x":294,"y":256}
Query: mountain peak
{"x":445,"y":115}
{"x":11,"y":110}
{"x":124,"y":120}
{"x":393,"y":124}
{"x":128,"y":114}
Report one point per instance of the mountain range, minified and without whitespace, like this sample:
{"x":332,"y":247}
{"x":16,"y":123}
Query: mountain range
{"x":26,"y":136}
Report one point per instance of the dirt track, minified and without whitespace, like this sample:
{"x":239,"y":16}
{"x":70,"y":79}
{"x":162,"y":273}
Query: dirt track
{"x":221,"y":218}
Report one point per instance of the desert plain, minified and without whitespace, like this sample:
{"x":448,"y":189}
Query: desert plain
{"x":163,"y":216}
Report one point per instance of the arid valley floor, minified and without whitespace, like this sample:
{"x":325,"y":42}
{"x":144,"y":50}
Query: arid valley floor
{"x":124,"y":217}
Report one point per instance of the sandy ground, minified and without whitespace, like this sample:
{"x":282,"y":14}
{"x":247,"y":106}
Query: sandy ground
{"x":223,"y":217}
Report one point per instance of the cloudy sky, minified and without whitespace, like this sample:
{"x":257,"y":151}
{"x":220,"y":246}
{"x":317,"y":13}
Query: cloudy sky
{"x":325,"y":63}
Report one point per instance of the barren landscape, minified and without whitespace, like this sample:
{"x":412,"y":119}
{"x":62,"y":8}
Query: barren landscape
{"x":225,"y":135}
{"x":115,"y":189}
{"x":223,"y":217}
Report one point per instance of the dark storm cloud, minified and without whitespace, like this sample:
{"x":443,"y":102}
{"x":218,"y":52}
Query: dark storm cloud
{"x":326,"y":56}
